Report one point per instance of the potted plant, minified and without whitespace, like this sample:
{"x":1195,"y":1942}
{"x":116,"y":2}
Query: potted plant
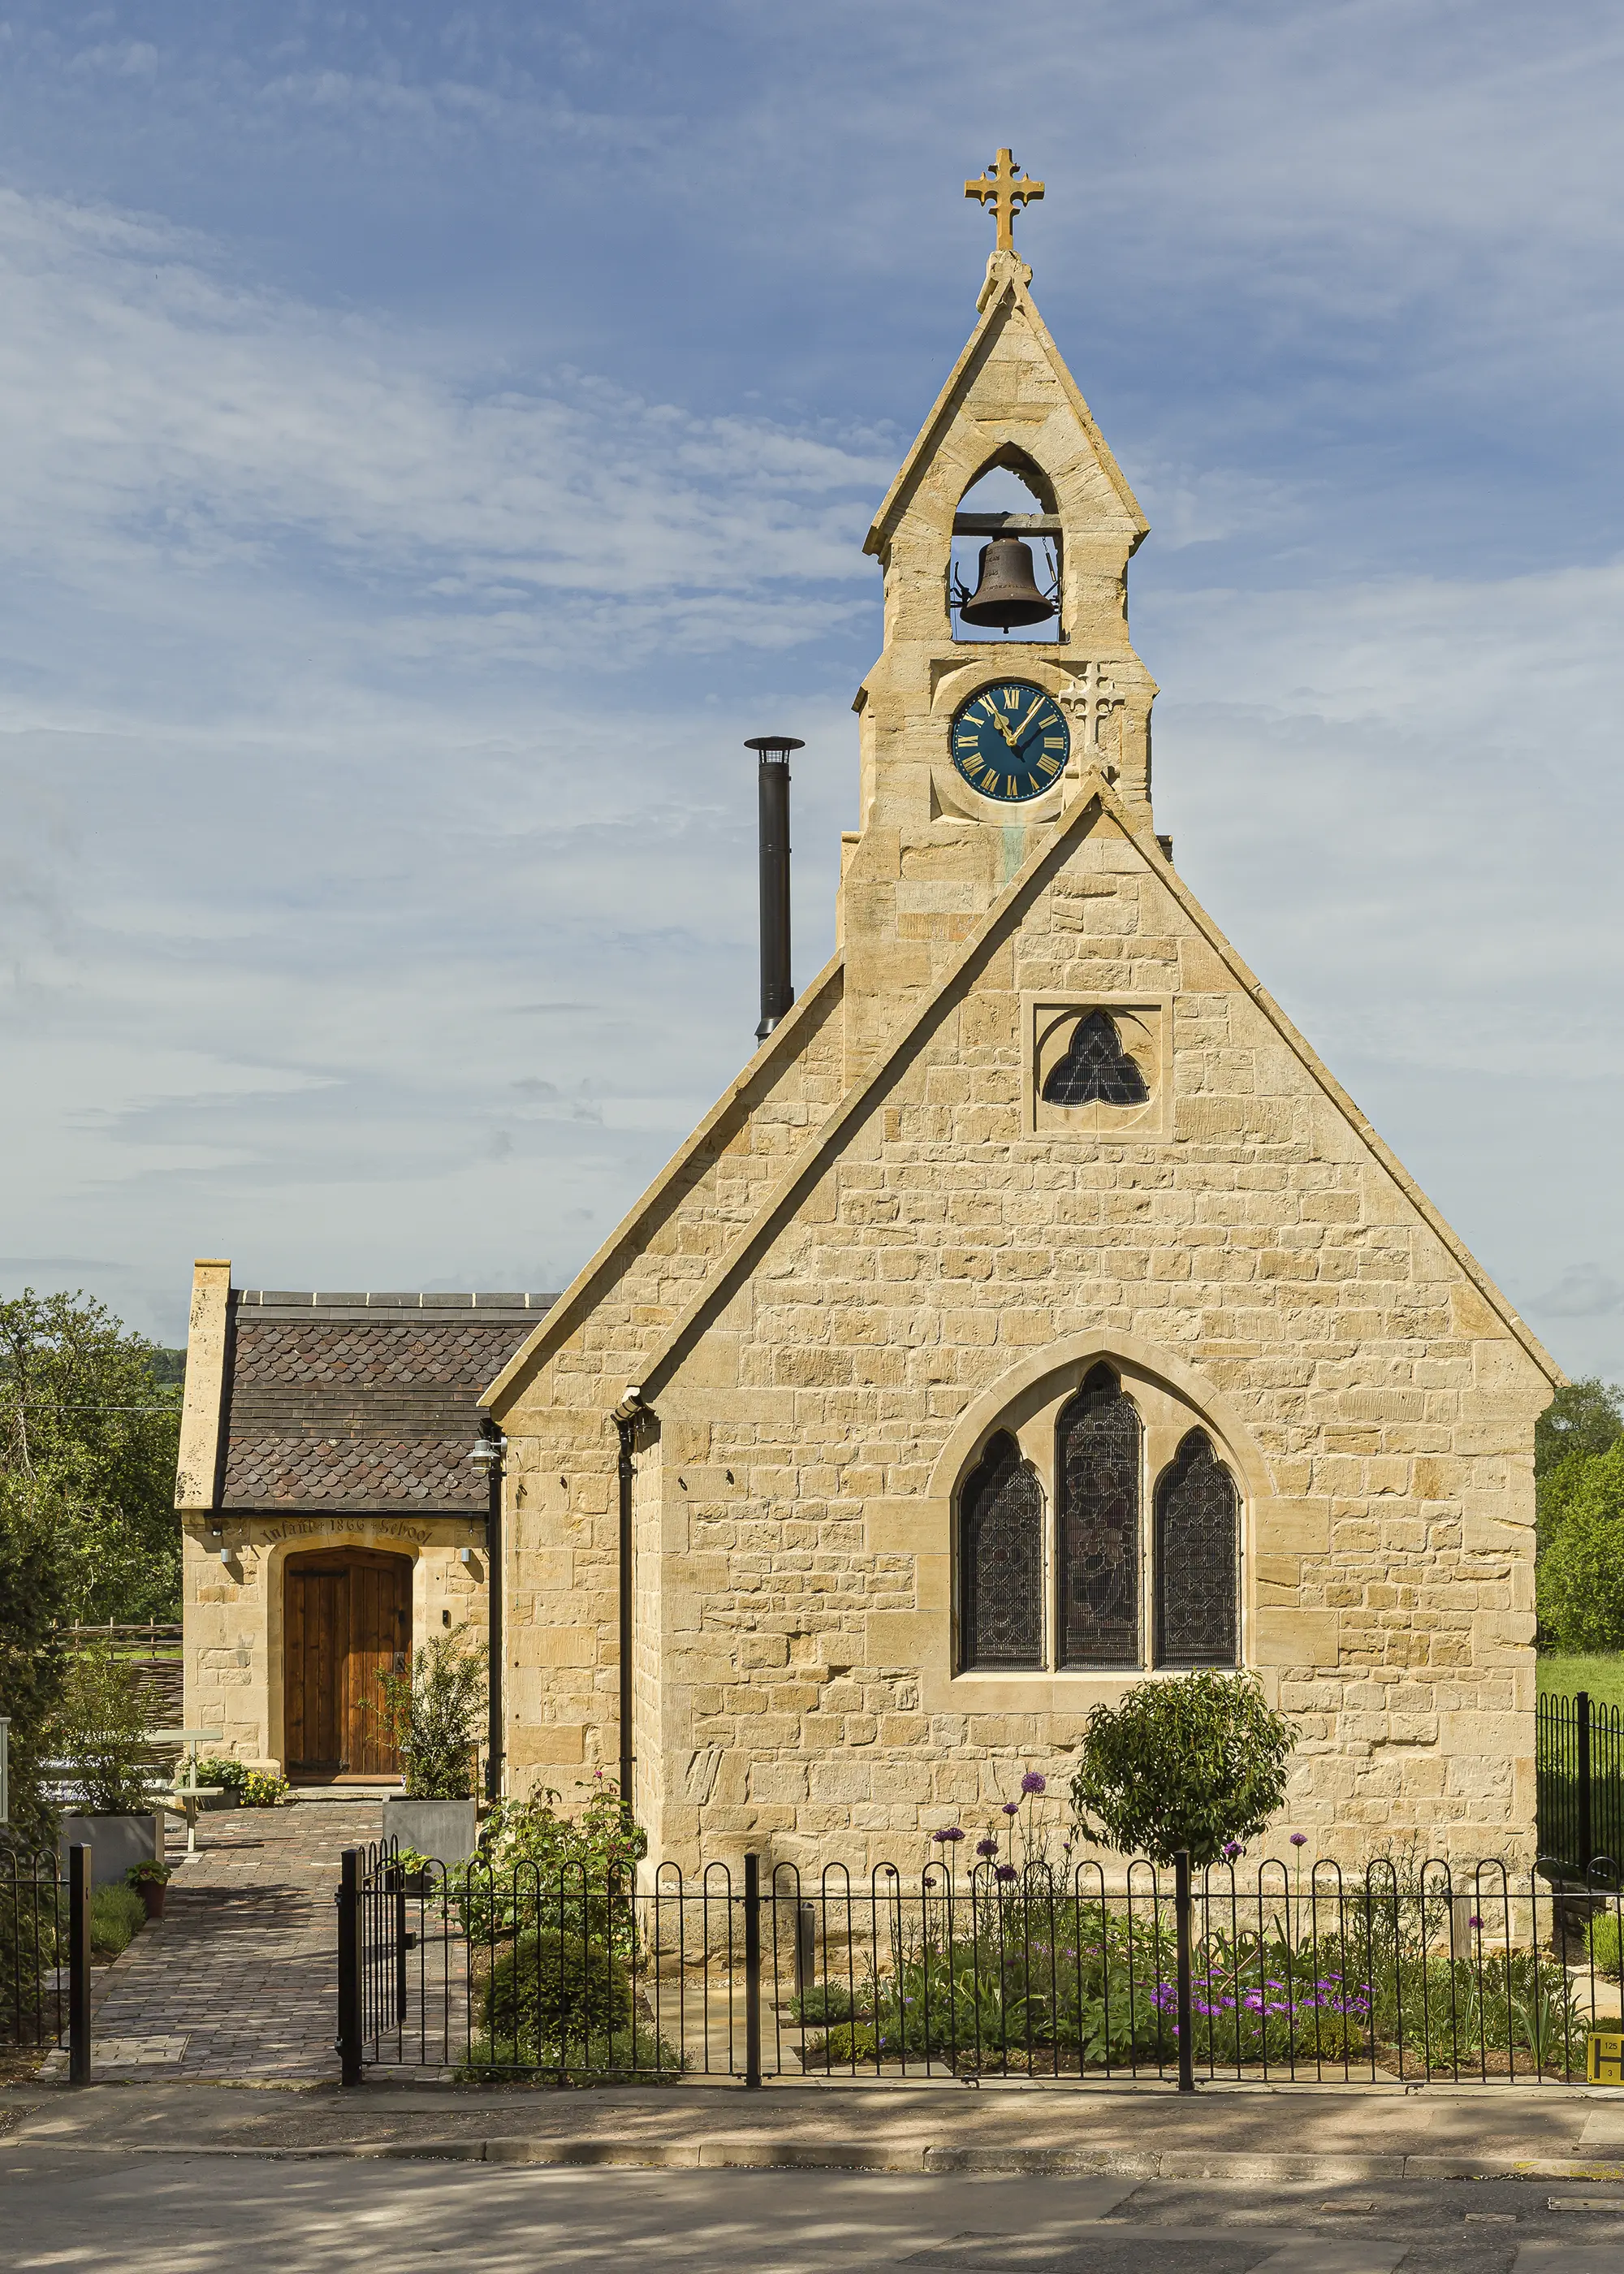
{"x":229,"y":1775}
{"x":434,"y":1714}
{"x":109,"y":1765}
{"x":149,"y":1881}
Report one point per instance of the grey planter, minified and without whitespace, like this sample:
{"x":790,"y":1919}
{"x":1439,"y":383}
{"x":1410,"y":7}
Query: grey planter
{"x":444,"y":1829}
{"x":115,"y":1843}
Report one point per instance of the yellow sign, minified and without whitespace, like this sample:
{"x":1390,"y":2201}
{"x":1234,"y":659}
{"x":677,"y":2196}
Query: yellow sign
{"x":1605,"y":2063}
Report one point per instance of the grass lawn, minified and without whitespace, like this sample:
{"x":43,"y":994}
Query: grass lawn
{"x":1604,"y":1678}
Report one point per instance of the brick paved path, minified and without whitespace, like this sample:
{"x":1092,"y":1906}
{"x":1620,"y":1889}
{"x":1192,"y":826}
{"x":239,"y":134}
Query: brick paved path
{"x":239,"y":1979}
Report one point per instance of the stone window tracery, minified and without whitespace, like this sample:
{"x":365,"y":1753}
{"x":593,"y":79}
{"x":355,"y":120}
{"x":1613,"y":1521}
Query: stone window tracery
{"x":1097,"y":1493}
{"x":1099,"y":1531}
{"x":1096,"y":1069}
{"x":1196,"y":1521}
{"x":1001,"y":1521}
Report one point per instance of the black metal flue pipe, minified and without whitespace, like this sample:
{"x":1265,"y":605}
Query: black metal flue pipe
{"x":777,"y":993}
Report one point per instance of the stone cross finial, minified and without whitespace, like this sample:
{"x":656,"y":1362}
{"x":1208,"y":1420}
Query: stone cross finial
{"x":1091,"y":697}
{"x":1002,"y":189}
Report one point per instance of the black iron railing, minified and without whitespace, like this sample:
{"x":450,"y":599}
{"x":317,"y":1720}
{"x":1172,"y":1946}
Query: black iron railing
{"x":45,"y":1956}
{"x":1579,"y":1778}
{"x":1262,"y":1971}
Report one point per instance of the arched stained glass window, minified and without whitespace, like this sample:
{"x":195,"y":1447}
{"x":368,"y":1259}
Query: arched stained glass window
{"x":1197,"y":1552}
{"x":1097,"y":1495}
{"x":1001,"y":1559}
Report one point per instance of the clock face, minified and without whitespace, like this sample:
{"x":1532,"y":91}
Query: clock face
{"x":1009,"y":742}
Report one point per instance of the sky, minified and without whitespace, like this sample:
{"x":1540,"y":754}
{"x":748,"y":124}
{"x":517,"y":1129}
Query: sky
{"x":432,"y":438}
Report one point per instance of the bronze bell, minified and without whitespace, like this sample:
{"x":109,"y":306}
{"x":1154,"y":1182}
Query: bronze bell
{"x":1006,"y":591}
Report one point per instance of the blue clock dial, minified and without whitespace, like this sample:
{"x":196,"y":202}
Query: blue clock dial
{"x":1009,"y":742}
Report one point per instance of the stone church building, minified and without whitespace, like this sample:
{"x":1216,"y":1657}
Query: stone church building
{"x":1033,"y":1316}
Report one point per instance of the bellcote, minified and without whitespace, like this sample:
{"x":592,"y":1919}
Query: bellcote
{"x":933,"y":848}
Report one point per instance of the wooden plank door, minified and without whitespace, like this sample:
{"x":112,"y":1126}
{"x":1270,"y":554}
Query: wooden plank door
{"x":379,"y":1642}
{"x":317,"y":1619}
{"x":347,"y":1618}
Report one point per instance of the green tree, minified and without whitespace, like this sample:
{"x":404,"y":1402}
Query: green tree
{"x":91,"y":1425}
{"x":33,"y":1594}
{"x":1580,"y":1568}
{"x":1586,"y":1416}
{"x":1192,"y":1763}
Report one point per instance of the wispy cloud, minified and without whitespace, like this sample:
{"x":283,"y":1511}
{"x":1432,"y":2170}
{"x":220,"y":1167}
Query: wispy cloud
{"x":428,"y":443}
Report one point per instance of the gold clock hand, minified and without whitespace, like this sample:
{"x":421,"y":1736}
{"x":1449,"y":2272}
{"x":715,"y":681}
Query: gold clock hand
{"x":999,"y":721}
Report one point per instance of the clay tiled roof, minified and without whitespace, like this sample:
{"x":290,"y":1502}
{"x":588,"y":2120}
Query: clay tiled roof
{"x":362,"y":1403}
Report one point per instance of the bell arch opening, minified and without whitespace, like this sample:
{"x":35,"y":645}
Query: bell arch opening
{"x":1004,"y":558}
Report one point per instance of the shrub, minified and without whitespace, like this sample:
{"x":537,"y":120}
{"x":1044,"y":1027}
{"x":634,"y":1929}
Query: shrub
{"x":596,"y":1841}
{"x":264,"y":1788}
{"x":550,"y":1989}
{"x":1581,"y":1572}
{"x":218,"y":1768}
{"x":435,"y":1713}
{"x":1194,"y":1763}
{"x":1605,"y":1945}
{"x":116,"y":1913}
{"x":99,"y":1732}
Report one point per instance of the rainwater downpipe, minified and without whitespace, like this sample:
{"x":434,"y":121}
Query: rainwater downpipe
{"x":489,"y":1453}
{"x":626,"y":1422}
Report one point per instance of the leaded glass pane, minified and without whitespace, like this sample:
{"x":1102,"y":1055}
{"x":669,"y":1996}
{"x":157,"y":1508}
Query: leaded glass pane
{"x":1097,"y":1486}
{"x":1198,"y":1514}
{"x":1095,"y":1068}
{"x":1000,"y":1559}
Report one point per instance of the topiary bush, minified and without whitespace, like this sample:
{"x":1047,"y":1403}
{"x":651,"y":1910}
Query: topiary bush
{"x":1195,"y":1762}
{"x":548,"y":1990}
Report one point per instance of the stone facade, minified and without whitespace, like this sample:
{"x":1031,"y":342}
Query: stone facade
{"x":882,"y":1245}
{"x":886,"y":1248}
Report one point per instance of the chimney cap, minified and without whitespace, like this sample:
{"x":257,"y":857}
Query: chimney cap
{"x":775,"y":745}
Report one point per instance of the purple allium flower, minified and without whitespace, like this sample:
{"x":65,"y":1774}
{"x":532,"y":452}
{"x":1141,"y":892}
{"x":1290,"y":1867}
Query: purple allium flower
{"x":986,"y":1847}
{"x":1299,"y":1839}
{"x":1032,"y":1782}
{"x":953,"y":1832}
{"x":1006,"y":1872}
{"x":1232,"y":1848}
{"x":1474,"y":1920}
{"x":939,"y":1835}
{"x":1011,"y":1808}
